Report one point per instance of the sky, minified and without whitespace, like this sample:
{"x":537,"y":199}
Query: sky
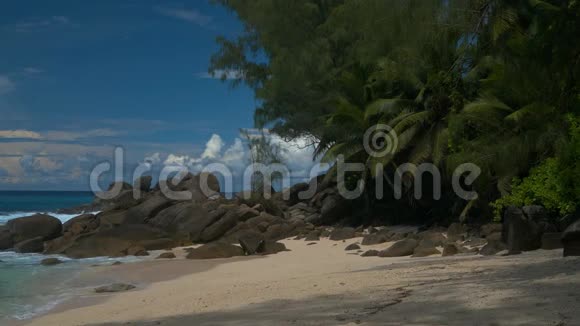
{"x":81,"y":78}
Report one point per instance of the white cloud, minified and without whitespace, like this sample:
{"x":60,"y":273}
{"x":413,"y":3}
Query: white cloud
{"x":32,"y":70}
{"x":221,"y":74}
{"x":6,"y":85}
{"x":213,"y":147}
{"x":296,"y":155}
{"x":24,"y":134}
{"x":189,"y":15}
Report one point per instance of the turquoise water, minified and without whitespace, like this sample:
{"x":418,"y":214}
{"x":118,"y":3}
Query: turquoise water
{"x":26,"y":287}
{"x":35,"y":201}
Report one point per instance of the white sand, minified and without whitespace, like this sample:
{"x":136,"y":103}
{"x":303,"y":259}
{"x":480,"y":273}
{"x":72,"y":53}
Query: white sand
{"x":322,"y":284}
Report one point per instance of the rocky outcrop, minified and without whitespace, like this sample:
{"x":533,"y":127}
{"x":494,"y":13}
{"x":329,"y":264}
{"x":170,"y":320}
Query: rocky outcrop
{"x":571,"y":240}
{"x":50,"y":261}
{"x":6,"y":241}
{"x":116,"y":287}
{"x":450,"y":250}
{"x":215,"y":250}
{"x":342,"y":234}
{"x":111,"y":242}
{"x":166,"y":255}
{"x":400,"y":248}
{"x":143,"y":183}
{"x":33,"y":245}
{"x":39,"y":225}
{"x":552,"y":240}
{"x":521,"y":232}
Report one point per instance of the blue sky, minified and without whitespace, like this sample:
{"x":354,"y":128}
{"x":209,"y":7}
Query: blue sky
{"x":80,"y":77}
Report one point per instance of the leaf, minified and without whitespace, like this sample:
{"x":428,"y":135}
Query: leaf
{"x":387,"y":107}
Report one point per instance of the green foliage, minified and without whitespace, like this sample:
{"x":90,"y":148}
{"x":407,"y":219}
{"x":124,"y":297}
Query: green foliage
{"x":554,"y":184}
{"x":488,"y":82}
{"x":542,"y":187}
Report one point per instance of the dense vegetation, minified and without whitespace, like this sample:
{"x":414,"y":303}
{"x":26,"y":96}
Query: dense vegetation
{"x":491,"y":82}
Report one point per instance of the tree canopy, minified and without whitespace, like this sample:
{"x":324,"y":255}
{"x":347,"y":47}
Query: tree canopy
{"x":491,"y":82}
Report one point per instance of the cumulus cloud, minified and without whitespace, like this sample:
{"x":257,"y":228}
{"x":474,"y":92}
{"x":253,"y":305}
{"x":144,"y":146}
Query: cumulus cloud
{"x":19,"y":133}
{"x":296,"y":156}
{"x":188,"y":15}
{"x":6,"y":85}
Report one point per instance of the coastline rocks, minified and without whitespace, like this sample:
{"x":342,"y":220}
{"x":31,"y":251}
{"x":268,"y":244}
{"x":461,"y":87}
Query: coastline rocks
{"x":352,"y":246}
{"x":137,"y":251}
{"x":490,"y":228}
{"x":252,"y":243}
{"x":143,"y":183}
{"x":116,"y":287}
{"x":450,"y":250}
{"x":342,"y":234}
{"x":39,"y":225}
{"x":50,"y":261}
{"x":33,"y":245}
{"x":375,"y":238}
{"x":425,"y":251}
{"x":215,"y":250}
{"x":166,"y":255}
{"x":6,"y":241}
{"x":492,"y":248}
{"x":110,"y":242}
{"x":400,"y":248}
{"x":519,"y":232}
{"x":312,"y":236}
{"x":571,"y":240}
{"x":552,"y":240}
{"x":370,"y":253}
{"x":273,"y":247}
{"x":334,"y":207}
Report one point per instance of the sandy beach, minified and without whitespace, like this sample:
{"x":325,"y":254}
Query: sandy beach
{"x":322,"y":284}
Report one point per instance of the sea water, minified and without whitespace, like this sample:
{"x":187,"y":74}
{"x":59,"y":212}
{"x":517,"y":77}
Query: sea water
{"x":26,"y":287}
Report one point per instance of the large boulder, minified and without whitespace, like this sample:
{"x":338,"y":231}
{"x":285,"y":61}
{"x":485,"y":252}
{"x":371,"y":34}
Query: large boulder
{"x":520,"y":233}
{"x":400,"y":248}
{"x":293,"y":192}
{"x":81,"y":224}
{"x":376,"y":238}
{"x":220,"y":227}
{"x":30,"y":246}
{"x":186,"y":219}
{"x":252,"y":243}
{"x":490,"y":228}
{"x":552,"y":240}
{"x":435,"y":238}
{"x":215,"y":250}
{"x":6,"y":241}
{"x":273,"y":247}
{"x":425,"y":251}
{"x":143,"y":183}
{"x":342,"y":234}
{"x":492,"y":248}
{"x":192,"y":183}
{"x":39,"y":225}
{"x":147,"y":209}
{"x":116,"y":287}
{"x":334,"y":207}
{"x":571,"y":240}
{"x":111,"y":242}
